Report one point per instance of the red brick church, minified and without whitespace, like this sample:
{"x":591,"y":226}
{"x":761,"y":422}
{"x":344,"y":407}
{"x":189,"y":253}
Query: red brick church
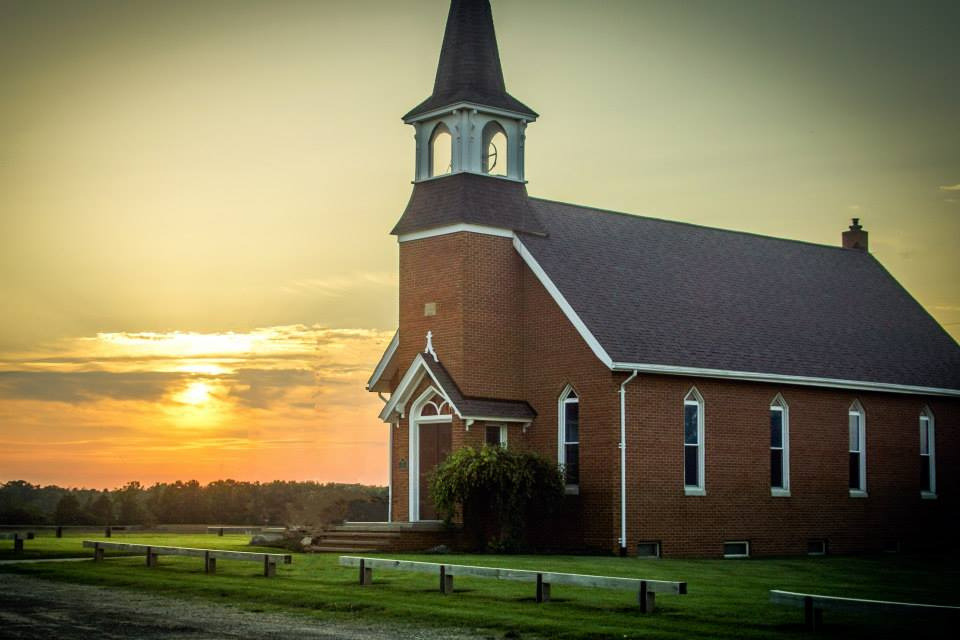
{"x":707,"y":392}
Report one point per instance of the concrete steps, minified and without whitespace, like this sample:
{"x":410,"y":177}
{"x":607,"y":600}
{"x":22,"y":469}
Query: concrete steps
{"x":360,"y":537}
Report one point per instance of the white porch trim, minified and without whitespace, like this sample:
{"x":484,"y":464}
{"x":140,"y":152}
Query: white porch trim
{"x":384,"y":360}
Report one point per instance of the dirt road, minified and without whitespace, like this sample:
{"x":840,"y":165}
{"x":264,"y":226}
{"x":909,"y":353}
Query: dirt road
{"x":32,"y":608}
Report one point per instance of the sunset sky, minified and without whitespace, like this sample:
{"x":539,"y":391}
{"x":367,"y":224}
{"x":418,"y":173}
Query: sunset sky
{"x":196,"y":276}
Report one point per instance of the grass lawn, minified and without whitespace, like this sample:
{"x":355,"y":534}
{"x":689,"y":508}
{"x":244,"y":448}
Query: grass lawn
{"x":727,"y":598}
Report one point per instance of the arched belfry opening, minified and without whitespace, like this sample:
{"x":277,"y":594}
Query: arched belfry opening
{"x":469,"y":107}
{"x":495,"y":155}
{"x":441,"y":151}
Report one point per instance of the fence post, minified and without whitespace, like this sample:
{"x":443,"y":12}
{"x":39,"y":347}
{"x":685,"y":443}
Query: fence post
{"x":543,"y":589}
{"x":446,"y":580}
{"x":59,"y":532}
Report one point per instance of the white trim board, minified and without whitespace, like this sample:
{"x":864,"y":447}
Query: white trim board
{"x":777,"y":378}
{"x":384,"y":360}
{"x":516,"y":115}
{"x":408,"y":384}
{"x":565,"y":306}
{"x":455,"y":228}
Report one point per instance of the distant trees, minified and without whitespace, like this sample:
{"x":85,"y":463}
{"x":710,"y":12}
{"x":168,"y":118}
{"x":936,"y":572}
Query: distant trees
{"x":68,"y":511}
{"x":220,"y":502}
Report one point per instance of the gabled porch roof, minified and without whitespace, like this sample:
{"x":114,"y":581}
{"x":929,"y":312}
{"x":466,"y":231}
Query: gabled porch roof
{"x":465,"y":407}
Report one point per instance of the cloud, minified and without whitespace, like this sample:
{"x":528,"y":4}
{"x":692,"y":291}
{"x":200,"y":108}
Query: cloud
{"x":950,"y":187}
{"x":337,"y":286}
{"x":87,"y":386}
{"x":263,"y":388}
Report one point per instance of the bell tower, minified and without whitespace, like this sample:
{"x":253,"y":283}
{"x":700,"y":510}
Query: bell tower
{"x":469,"y":124}
{"x":460,"y":275}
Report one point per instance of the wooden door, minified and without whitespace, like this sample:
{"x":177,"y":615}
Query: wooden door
{"x":434,"y":448}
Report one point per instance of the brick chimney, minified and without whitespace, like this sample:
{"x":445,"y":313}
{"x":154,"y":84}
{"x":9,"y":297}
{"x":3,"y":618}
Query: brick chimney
{"x":855,"y":237}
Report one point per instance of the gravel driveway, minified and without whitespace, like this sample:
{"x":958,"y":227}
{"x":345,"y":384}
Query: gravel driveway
{"x":36,"y":608}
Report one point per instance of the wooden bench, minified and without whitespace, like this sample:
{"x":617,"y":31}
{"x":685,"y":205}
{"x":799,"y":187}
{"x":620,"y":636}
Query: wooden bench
{"x":646,"y":589}
{"x":813,"y":606}
{"x":210,"y":556}
{"x":18,"y":537}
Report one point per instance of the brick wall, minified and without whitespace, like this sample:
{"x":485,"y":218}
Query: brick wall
{"x":500,"y":335}
{"x":738,"y":504}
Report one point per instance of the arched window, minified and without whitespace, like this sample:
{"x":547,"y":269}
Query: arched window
{"x":928,"y":459}
{"x":858,"y":450}
{"x":569,"y":436}
{"x":435,"y":406}
{"x":693,"y":458}
{"x":779,"y":447}
{"x":441,"y":150}
{"x":494,"y":149}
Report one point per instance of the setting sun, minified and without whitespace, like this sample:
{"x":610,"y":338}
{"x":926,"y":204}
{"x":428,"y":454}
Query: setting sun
{"x":195,"y":393}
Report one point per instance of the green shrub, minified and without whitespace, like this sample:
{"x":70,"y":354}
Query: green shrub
{"x":498,"y":492}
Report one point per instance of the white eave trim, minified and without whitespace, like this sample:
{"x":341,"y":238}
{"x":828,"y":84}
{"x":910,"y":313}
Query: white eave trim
{"x":384,"y":361}
{"x":568,"y":311}
{"x":834,"y":383}
{"x":496,"y":419}
{"x":408,"y":384}
{"x":455,"y":228}
{"x":507,"y":113}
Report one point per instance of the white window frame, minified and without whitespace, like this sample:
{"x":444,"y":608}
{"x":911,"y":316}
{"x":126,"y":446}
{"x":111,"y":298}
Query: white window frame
{"x":694,"y":398}
{"x":779,"y":404}
{"x":745,"y":543}
{"x":568,"y":396}
{"x":502,"y":437}
{"x":927,"y":416}
{"x":823,"y":547}
{"x":856,"y":409}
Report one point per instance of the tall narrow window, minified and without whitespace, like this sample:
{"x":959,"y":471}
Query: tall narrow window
{"x":569,"y":450}
{"x":928,"y":465}
{"x":858,"y":462}
{"x":779,"y":447}
{"x":441,"y":151}
{"x":693,"y":443}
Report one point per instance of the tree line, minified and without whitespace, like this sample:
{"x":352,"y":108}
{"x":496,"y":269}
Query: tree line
{"x":275,"y":503}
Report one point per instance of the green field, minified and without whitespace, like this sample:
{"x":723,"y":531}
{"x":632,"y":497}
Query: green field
{"x":727,"y":598}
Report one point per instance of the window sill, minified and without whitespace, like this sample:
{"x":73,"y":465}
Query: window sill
{"x":928,"y":495}
{"x":694,"y":491}
{"x":780,"y":493}
{"x":857,"y":493}
{"x":572,"y":489}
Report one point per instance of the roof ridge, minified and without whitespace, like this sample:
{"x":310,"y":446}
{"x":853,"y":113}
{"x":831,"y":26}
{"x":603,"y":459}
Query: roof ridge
{"x":627,"y":214}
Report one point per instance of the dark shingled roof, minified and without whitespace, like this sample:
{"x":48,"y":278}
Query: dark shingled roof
{"x":469,"y":198}
{"x":478,"y":407}
{"x":469,"y":69}
{"x":667,"y":293}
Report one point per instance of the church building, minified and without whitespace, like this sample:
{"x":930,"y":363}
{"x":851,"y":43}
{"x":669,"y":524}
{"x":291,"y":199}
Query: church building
{"x":707,"y":392}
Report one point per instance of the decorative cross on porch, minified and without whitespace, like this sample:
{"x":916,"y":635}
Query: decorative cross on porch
{"x":429,"y":348}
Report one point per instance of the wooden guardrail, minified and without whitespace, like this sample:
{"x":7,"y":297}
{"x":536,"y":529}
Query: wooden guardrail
{"x":813,"y":606}
{"x":210,"y":556}
{"x":222,"y":529}
{"x":646,"y":589}
{"x":18,"y":537}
